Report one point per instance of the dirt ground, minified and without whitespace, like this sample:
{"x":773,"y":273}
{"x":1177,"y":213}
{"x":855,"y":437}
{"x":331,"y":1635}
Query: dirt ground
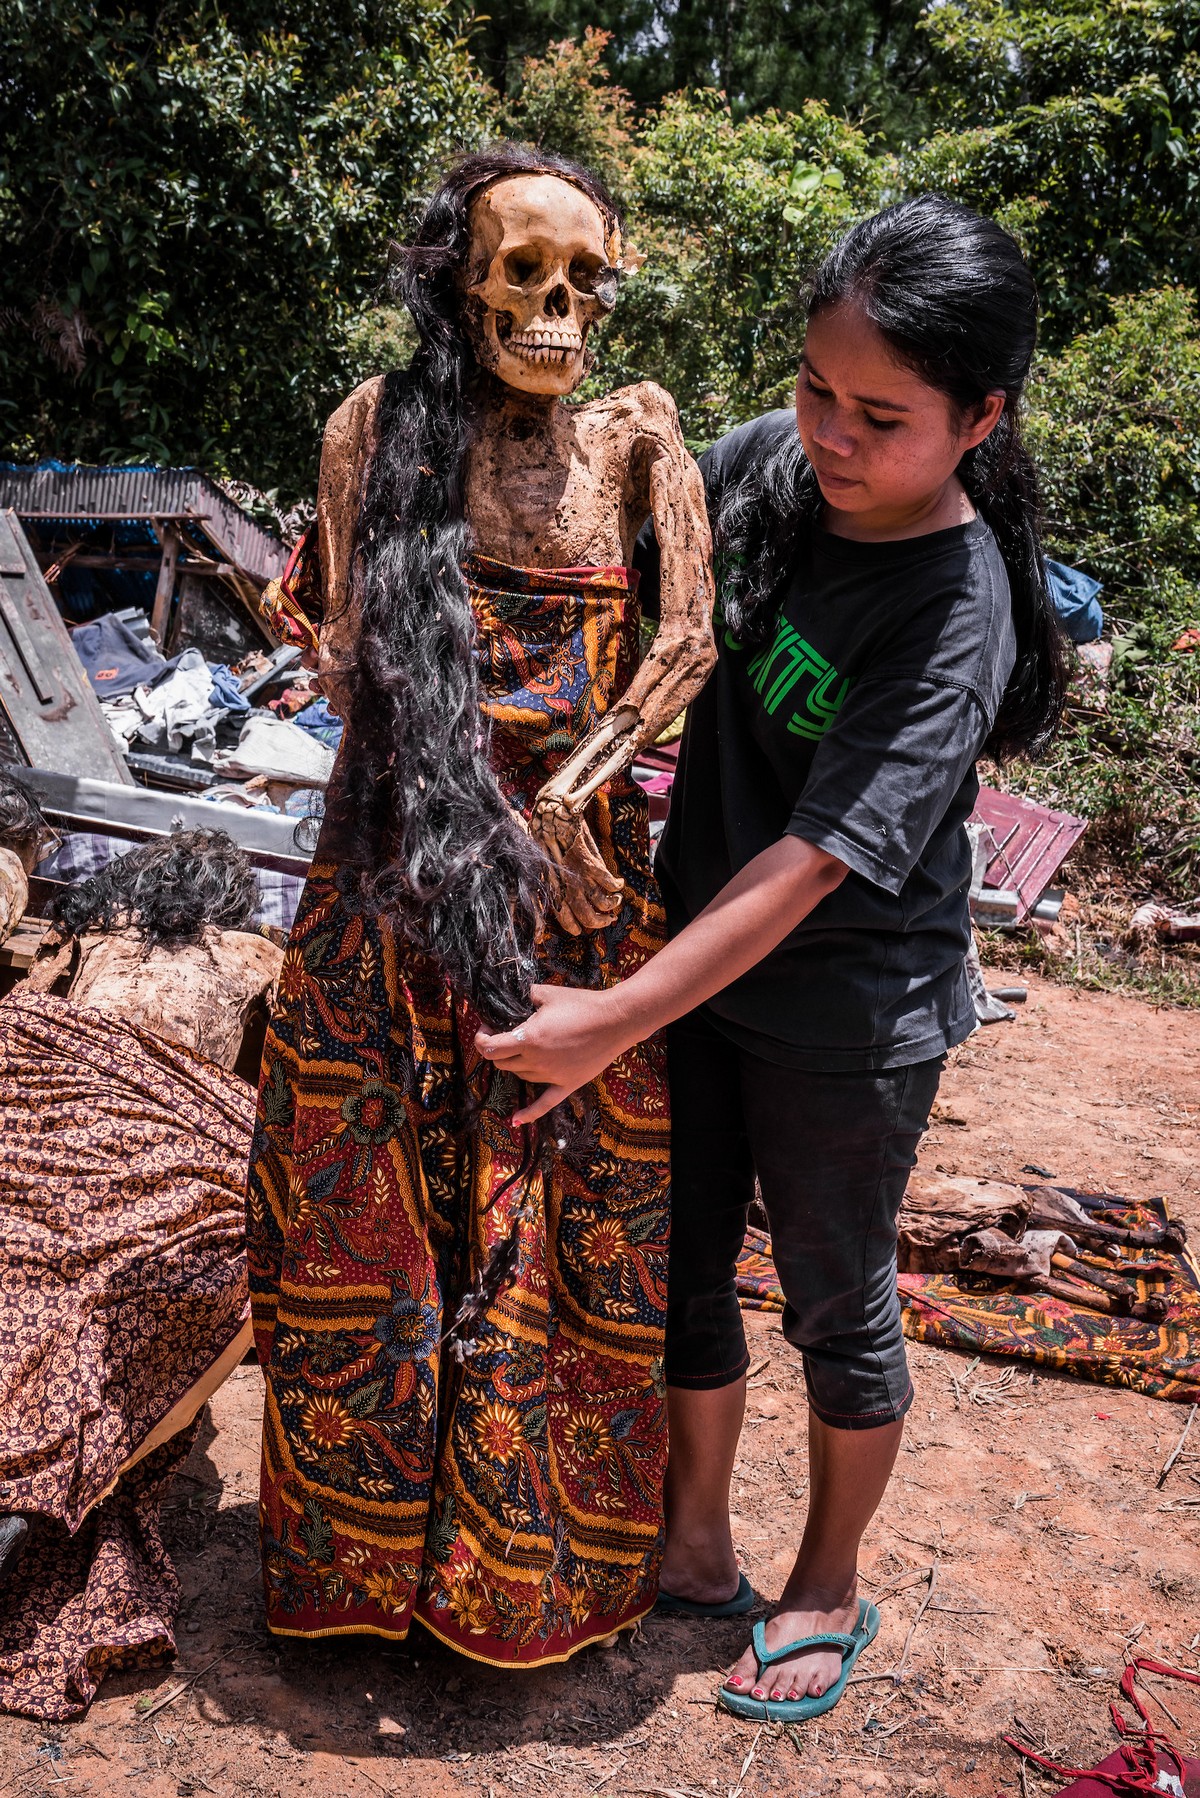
{"x":1033,"y":1498}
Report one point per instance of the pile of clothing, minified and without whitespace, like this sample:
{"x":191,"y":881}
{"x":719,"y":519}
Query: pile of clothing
{"x":126,"y":1127}
{"x":208,"y":710}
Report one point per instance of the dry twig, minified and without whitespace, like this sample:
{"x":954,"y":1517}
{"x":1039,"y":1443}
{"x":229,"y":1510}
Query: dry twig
{"x":896,"y":1673}
{"x":152,"y":1710}
{"x":1175,"y":1453}
{"x":898,"y":1669}
{"x":1151,"y":1693}
{"x":736,"y":1791}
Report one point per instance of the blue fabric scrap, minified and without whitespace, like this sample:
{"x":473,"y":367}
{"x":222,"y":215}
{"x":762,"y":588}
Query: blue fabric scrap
{"x":226,"y":692}
{"x":115,"y":660}
{"x":321,"y":723}
{"x":1073,"y":595}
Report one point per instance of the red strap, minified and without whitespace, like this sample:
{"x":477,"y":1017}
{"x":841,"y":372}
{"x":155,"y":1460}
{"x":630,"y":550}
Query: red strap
{"x":1142,"y":1749}
{"x":299,"y":549}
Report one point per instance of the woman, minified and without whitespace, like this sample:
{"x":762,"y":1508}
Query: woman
{"x":884,"y":618}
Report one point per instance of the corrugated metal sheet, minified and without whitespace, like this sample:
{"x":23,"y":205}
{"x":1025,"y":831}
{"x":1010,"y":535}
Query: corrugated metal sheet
{"x":1028,"y":844}
{"x":81,"y":492}
{"x":80,"y":803}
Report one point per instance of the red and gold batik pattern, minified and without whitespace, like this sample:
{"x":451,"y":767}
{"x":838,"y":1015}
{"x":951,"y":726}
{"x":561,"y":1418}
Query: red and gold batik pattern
{"x":511,"y":1502}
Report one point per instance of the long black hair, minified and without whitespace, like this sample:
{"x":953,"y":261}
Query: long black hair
{"x":23,"y":824}
{"x":954,"y":298}
{"x":166,"y":890}
{"x":435,"y":845}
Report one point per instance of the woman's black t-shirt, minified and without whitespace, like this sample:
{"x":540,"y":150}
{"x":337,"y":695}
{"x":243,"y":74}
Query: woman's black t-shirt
{"x":856,"y":727}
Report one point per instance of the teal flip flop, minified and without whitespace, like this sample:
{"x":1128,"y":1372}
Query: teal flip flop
{"x":796,"y":1710}
{"x":743,"y":1600}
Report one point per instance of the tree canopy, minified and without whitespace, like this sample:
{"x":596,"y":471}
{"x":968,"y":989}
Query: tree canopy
{"x":194,"y":203}
{"x":1079,"y":127}
{"x":861,"y":57}
{"x":196,"y":195}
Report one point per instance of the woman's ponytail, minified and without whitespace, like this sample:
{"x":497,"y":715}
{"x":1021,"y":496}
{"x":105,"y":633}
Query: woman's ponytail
{"x":1002,"y":482}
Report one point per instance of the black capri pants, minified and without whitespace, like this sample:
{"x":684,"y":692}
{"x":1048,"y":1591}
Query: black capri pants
{"x":833,"y":1153}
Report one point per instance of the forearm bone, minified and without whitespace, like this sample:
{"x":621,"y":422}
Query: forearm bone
{"x":682,"y":654}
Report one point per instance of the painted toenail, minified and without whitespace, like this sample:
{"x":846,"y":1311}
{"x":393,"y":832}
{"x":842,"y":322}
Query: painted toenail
{"x":736,"y":1680}
{"x":777,"y":1693}
{"x":758,"y":1692}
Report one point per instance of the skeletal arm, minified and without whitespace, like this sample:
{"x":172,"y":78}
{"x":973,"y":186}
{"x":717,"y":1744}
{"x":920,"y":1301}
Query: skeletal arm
{"x":675,"y":669}
{"x":349,"y":444}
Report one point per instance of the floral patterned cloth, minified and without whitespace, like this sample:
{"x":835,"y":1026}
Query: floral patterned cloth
{"x":511,"y":1502}
{"x":997,"y":1318}
{"x":122,"y":1285}
{"x":102,"y":1601}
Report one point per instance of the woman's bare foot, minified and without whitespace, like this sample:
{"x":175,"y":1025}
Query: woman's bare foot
{"x":806,"y":1675}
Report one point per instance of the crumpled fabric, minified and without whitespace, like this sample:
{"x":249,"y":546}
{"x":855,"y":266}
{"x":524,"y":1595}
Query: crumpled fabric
{"x":124,"y":718}
{"x":116,"y":659}
{"x":279,"y":749}
{"x":321,"y":723}
{"x":189,"y":701}
{"x":292,"y":700}
{"x":181,"y":706}
{"x":226,"y":689}
{"x":123,"y":1277}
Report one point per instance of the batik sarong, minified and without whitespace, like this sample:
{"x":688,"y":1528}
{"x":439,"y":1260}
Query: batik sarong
{"x":999,"y":1318}
{"x":510,"y":1501}
{"x":122,"y":1306}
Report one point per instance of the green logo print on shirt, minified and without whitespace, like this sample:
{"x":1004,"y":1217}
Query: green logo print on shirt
{"x":777,"y":671}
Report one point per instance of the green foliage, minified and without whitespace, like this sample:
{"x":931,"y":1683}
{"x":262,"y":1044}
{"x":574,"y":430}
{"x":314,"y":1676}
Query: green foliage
{"x":1131,"y":767}
{"x":1114,"y":423}
{"x":864,"y":58}
{"x":1115,"y":426}
{"x":569,"y":103}
{"x":1078,"y":126}
{"x":196,"y":202}
{"x":729,"y":215}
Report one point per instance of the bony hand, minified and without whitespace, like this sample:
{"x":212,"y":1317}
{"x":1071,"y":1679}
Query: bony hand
{"x":572,"y":1035}
{"x":587,"y":895}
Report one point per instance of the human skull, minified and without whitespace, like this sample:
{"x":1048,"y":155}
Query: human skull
{"x":541,"y":272}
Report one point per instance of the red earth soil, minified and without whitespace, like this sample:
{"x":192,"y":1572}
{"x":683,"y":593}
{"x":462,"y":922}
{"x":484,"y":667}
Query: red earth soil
{"x":1033,"y":1497}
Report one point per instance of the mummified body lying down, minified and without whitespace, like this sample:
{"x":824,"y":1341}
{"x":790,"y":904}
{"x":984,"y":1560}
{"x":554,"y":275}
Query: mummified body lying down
{"x":123,"y":1299}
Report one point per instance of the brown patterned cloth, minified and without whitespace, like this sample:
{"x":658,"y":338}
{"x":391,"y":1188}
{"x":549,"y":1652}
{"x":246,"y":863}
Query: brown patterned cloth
{"x":996,"y":1317}
{"x":102,"y":1601}
{"x":122,"y":1302}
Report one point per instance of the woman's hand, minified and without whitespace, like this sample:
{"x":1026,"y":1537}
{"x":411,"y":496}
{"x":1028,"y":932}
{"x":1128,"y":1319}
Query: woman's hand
{"x":573,"y":1035}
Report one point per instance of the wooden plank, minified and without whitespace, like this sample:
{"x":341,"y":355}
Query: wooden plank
{"x":245,"y":585}
{"x":147,"y":563}
{"x":47,"y":698}
{"x":172,"y":543}
{"x":12,"y":620}
{"x":11,"y":559}
{"x":20,"y":949}
{"x":67,"y":515}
